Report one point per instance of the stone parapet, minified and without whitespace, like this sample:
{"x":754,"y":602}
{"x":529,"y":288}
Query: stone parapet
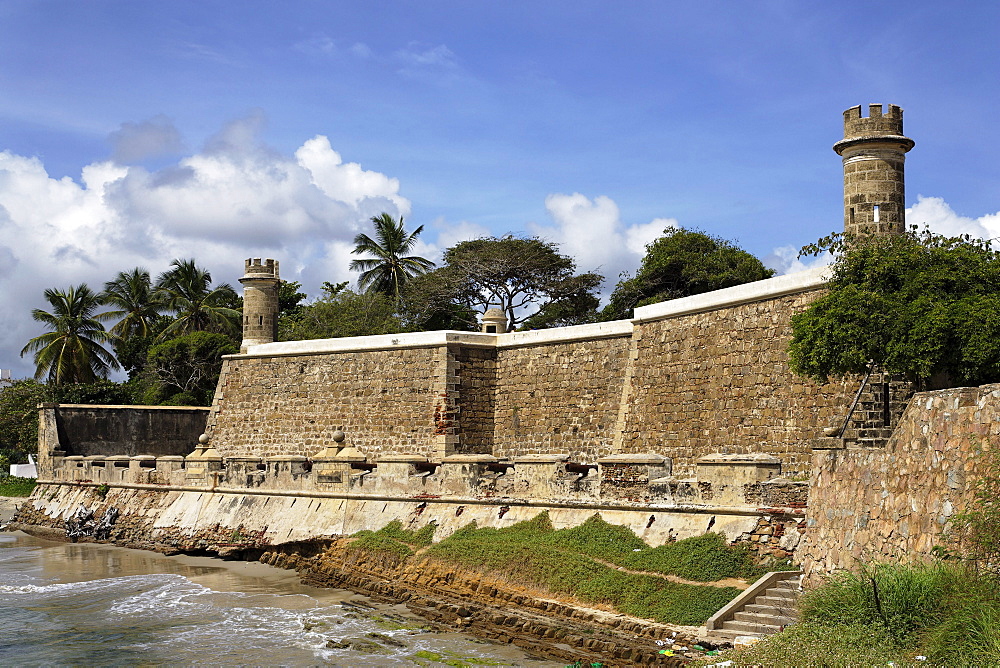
{"x":622,"y":479}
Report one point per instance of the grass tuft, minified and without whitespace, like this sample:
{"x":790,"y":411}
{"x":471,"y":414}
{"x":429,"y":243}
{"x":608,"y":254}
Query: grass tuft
{"x":14,"y":486}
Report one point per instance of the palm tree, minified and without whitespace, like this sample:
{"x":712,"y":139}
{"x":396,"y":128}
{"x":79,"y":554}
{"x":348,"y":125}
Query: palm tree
{"x":389,"y":268}
{"x":198,"y":307}
{"x":73,"y":352}
{"x":138,"y":303}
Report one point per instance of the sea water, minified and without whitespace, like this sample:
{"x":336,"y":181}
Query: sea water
{"x":98,"y":605}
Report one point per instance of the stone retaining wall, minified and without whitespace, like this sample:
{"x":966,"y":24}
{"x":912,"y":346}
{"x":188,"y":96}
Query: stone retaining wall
{"x":872,"y":504}
{"x":559,"y":398}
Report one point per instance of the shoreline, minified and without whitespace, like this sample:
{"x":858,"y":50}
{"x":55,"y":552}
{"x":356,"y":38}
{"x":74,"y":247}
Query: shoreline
{"x":464,"y":601}
{"x":9,"y":505}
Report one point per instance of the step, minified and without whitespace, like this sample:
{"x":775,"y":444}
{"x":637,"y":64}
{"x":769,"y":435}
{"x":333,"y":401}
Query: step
{"x":777,"y":610}
{"x":750,"y":628}
{"x":770,"y":620}
{"x":776,"y":601}
{"x":781,"y":592}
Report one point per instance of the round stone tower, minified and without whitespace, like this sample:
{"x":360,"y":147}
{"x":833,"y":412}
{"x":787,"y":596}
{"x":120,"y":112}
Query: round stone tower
{"x":874,"y":150}
{"x":260,"y":302}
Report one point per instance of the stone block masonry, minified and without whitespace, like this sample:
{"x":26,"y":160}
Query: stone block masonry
{"x":387,"y":401}
{"x":875,"y":504}
{"x":683,"y":379}
{"x":711,"y":375}
{"x":559,"y":398}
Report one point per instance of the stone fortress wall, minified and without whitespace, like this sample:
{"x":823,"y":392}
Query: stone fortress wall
{"x":684,"y":379}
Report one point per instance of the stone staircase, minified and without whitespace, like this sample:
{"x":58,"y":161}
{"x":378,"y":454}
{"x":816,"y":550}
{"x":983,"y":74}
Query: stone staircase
{"x":766,"y":607}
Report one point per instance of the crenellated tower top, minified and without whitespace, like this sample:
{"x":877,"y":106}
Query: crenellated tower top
{"x":260,"y":302}
{"x":874,"y":150}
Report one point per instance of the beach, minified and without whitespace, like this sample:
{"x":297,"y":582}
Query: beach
{"x":94,"y":604}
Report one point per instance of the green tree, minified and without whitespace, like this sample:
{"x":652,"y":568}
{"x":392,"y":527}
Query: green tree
{"x":138,"y":306}
{"x":135,"y":302}
{"x":389,"y":267}
{"x":429,"y":304}
{"x":289,"y":298}
{"x":525,"y":277}
{"x":918,"y":304}
{"x":342,"y":312}
{"x":681,"y":263}
{"x":185,"y":370}
{"x":196,"y":305}
{"x":19,"y":418}
{"x":73,"y":352}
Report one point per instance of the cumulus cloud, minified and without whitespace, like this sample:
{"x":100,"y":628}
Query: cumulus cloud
{"x":236,"y":198}
{"x":941,"y":218}
{"x":592,"y":232}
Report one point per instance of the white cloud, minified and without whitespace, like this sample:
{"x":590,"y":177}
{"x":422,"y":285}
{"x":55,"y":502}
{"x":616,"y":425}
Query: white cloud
{"x":235,"y":199}
{"x":449,"y":234}
{"x":939,"y":216}
{"x":592,"y":232}
{"x":785,"y":260}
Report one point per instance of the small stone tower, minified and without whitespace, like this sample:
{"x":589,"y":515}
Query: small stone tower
{"x":494,"y":321}
{"x":874,"y":150}
{"x":260,"y":302}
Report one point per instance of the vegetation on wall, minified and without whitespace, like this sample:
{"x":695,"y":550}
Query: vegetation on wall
{"x":682,"y":263}
{"x":918,"y":304}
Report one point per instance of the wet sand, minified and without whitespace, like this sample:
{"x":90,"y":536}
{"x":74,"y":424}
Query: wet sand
{"x":8,"y":504}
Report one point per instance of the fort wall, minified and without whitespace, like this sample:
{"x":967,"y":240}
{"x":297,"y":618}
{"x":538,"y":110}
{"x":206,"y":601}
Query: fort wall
{"x":683,"y":379}
{"x":718,"y":381}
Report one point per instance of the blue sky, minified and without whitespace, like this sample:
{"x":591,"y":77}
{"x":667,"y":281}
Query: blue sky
{"x":135,"y":132}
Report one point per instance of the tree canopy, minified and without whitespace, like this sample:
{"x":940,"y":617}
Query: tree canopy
{"x":917,"y":304}
{"x":389,"y":267}
{"x":341,"y":312}
{"x":197,"y":306}
{"x":185,"y":370}
{"x":528,"y":278}
{"x":682,"y":263}
{"x":73,"y":351}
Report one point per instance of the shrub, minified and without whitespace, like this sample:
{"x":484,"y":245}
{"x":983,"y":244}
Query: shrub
{"x":903,"y":600}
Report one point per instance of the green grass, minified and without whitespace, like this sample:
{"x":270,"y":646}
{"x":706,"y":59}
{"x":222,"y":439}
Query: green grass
{"x":563,"y":562}
{"x":14,"y":486}
{"x":568,"y":561}
{"x":393,"y":539}
{"x":810,"y":644}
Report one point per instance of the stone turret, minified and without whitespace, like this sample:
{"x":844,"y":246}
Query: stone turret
{"x":260,"y":302}
{"x":494,"y":321}
{"x":874,"y":150}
